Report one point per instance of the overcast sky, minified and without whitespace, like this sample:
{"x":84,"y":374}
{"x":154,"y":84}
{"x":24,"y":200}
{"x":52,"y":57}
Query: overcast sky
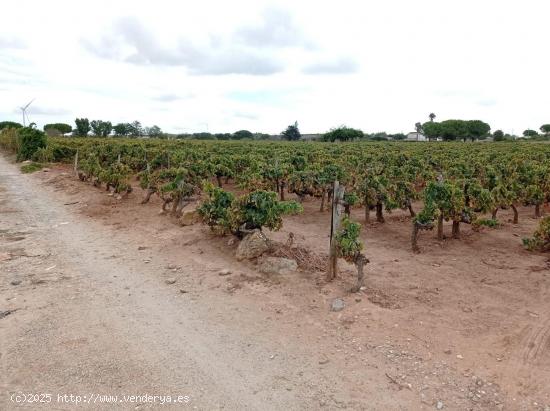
{"x":222,"y":66}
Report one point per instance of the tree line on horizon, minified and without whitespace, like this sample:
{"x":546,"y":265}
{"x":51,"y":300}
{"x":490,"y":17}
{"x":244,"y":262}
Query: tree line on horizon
{"x":447,"y":130}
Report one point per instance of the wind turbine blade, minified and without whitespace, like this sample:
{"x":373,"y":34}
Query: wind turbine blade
{"x":29,"y":103}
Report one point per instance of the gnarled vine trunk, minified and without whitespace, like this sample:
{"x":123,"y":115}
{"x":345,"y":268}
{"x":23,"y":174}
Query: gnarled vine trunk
{"x":322,"y":208}
{"x":537,"y":210}
{"x":150,"y":192}
{"x":379,"y":213}
{"x":416,"y":227}
{"x":440,"y":227}
{"x":414,"y":238}
{"x":347,"y":209}
{"x":515,"y":214}
{"x":359,"y":261}
{"x":410,"y":207}
{"x":494,"y":214}
{"x":456,"y":229}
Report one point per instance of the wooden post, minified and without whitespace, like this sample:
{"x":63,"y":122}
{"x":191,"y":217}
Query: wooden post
{"x":76,"y":163}
{"x":337,"y":211}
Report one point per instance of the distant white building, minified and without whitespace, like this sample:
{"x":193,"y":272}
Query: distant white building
{"x":416,"y":136}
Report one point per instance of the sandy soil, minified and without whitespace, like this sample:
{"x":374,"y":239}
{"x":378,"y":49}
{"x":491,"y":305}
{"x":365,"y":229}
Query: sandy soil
{"x":86,"y":308}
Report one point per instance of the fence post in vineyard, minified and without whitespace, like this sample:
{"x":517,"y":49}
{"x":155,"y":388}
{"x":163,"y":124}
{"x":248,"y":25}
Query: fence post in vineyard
{"x":76,"y":163}
{"x":118,"y":159}
{"x":337,"y":210}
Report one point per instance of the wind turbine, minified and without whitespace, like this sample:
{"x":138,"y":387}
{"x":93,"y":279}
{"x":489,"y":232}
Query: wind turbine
{"x":24,"y":111}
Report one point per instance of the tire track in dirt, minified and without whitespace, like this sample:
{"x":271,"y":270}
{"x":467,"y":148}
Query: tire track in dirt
{"x":537,"y":344}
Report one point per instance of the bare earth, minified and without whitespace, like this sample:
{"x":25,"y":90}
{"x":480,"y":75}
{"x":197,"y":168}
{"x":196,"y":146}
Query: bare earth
{"x":86,"y":309}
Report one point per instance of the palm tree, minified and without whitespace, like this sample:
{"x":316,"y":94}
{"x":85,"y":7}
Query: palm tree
{"x":432,"y":116}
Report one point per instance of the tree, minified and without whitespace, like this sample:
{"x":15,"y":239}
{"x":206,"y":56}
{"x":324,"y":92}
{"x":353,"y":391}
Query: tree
{"x":545,"y":128}
{"x":135,"y":129}
{"x":122,"y":129}
{"x":101,"y":128}
{"x":530,"y":133}
{"x":343,"y":133}
{"x":432,"y":116}
{"x":454,"y":130}
{"x":498,"y":135}
{"x":153,"y":131}
{"x":82,"y":127}
{"x":418,"y":127}
{"x":432,"y":130}
{"x":239,"y":135}
{"x":9,"y":124}
{"x":31,"y":139}
{"x":380,"y":136}
{"x":292,"y":133}
{"x":477,"y":129}
{"x":57,"y":128}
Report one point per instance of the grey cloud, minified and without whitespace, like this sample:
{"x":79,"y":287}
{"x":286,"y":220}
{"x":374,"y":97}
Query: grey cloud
{"x":340,"y":66}
{"x":215,"y":59}
{"x":46,"y":111}
{"x":172,"y":97}
{"x":11,"y":43}
{"x":276,"y":30}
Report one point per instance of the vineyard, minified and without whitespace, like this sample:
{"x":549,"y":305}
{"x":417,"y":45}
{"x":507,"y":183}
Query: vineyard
{"x":457,"y":182}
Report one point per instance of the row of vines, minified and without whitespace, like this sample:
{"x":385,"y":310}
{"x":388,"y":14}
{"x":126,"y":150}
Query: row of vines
{"x":458,"y":182}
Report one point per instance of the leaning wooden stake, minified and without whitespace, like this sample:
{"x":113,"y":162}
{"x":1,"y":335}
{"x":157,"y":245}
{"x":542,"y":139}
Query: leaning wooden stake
{"x":337,"y":211}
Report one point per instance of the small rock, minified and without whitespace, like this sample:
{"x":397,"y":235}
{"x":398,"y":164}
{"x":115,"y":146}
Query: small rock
{"x":141,"y":248}
{"x":277,"y":265}
{"x":183,"y":291}
{"x":223,"y":272}
{"x":170,"y":281}
{"x":231,"y":241}
{"x":15,"y":282}
{"x":447,"y":351}
{"x":171,"y":266}
{"x":189,"y":218}
{"x":358,"y":300}
{"x":460,"y":357}
{"x":338,"y":304}
{"x":118,"y":197}
{"x":439,"y":405}
{"x":323,"y":361}
{"x":252,"y":246}
{"x":45,"y":170}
